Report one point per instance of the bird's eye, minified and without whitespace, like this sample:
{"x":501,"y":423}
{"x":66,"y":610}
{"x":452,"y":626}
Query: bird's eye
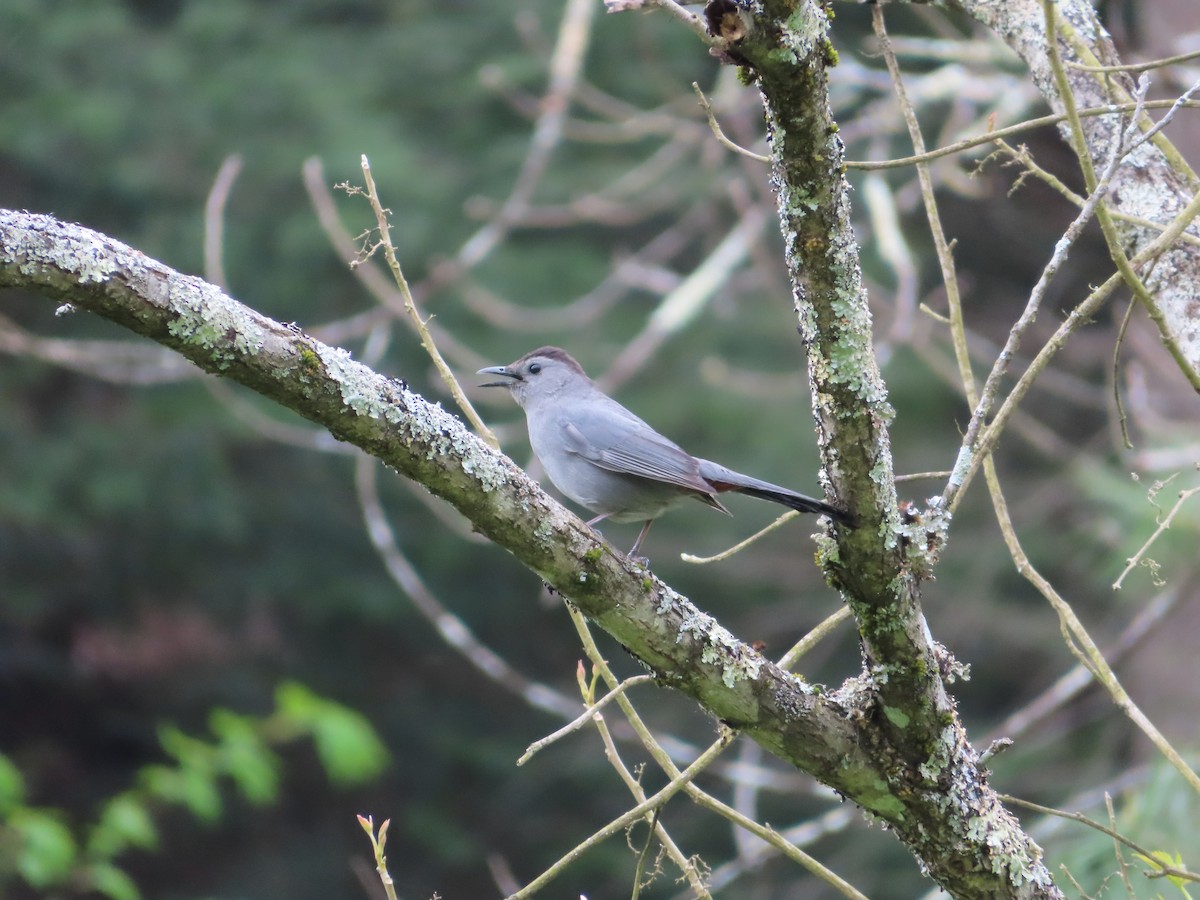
{"x":534,"y":368}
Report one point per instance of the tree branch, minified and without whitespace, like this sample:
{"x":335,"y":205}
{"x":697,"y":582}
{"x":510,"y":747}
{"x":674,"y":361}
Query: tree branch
{"x":686,"y":648}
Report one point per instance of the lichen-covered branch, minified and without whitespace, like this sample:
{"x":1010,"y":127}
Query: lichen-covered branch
{"x":685,"y":648}
{"x":944,"y":810}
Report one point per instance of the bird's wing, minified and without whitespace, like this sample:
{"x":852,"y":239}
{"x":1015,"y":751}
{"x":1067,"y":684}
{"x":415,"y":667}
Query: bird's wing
{"x":620,"y":442}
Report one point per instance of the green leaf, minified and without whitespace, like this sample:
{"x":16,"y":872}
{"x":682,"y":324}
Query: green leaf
{"x":162,"y":782}
{"x":124,"y":821}
{"x":200,"y":794}
{"x":112,"y":882}
{"x":12,"y":785}
{"x":247,"y":759}
{"x":190,"y":752}
{"x":349,"y":748}
{"x":1159,"y":858}
{"x":48,"y":848}
{"x":297,"y":702}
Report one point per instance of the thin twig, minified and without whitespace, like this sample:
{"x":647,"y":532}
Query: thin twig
{"x":1111,"y":237}
{"x":1139,"y":67}
{"x":684,"y":15}
{"x":1163,"y":868}
{"x":1008,"y":131}
{"x":1012,"y":344}
{"x":1022,"y":157}
{"x":1162,"y":526}
{"x":685,"y":864}
{"x":214,"y":219}
{"x":1079,"y":642}
{"x":700,"y":797}
{"x":384,"y":227}
{"x":814,"y":637}
{"x":378,"y":844}
{"x":1122,"y":866}
{"x":640,"y":869}
{"x":651,"y":803}
{"x":921,"y":476}
{"x":449,"y":627}
{"x":1079,"y":316}
{"x":584,"y":717}
{"x":720,"y":134}
{"x":741,"y":545}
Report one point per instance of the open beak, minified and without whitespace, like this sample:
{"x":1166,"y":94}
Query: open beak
{"x":499,"y":370}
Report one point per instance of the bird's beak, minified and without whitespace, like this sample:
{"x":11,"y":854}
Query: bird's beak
{"x":499,"y":370}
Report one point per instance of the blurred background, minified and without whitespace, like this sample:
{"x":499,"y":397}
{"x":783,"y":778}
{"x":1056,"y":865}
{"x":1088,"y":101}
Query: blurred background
{"x":207,"y":669}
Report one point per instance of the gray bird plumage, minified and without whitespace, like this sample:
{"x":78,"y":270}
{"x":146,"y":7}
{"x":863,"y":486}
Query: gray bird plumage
{"x":609,"y":461}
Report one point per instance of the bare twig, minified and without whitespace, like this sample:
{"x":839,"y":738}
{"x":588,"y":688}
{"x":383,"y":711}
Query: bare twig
{"x":619,"y":824}
{"x":1008,"y":131}
{"x":700,"y":797}
{"x":371,"y":278}
{"x":449,"y":627}
{"x":1021,"y":156}
{"x":1162,"y":526}
{"x":814,"y":637}
{"x":1073,"y":682}
{"x":214,"y":219}
{"x":991,"y":387}
{"x":1081,"y":315}
{"x":1150,"y":856}
{"x":741,"y":545}
{"x":582,"y":719}
{"x":383,"y":229}
{"x":1139,"y":67}
{"x":719,"y":134}
{"x":1079,"y":642}
{"x":684,"y":15}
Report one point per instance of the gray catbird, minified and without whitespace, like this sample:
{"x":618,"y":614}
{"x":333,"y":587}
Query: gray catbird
{"x":608,"y":460}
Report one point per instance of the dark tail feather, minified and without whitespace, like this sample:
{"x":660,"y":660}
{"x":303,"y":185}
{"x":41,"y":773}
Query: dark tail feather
{"x":798,"y":502}
{"x":723,"y":479}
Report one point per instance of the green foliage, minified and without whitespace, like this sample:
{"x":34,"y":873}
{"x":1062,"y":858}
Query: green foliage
{"x":345,"y":740}
{"x":112,"y":882}
{"x":39,"y":845}
{"x":12,"y":786}
{"x":46,"y":849}
{"x":250,"y":762}
{"x":125,"y":821}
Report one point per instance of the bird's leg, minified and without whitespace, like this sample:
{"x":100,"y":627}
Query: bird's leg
{"x":632,"y":554}
{"x":591,"y":523}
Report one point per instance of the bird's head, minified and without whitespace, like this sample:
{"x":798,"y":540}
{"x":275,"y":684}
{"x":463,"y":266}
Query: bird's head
{"x":539,"y":375}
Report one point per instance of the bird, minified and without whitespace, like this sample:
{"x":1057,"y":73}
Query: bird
{"x":609,"y":461}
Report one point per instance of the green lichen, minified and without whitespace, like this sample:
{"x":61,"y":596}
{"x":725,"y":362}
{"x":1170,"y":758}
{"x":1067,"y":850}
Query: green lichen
{"x":309,"y":360}
{"x":829,"y":53}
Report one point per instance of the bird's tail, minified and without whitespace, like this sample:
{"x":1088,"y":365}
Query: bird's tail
{"x":723,"y":479}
